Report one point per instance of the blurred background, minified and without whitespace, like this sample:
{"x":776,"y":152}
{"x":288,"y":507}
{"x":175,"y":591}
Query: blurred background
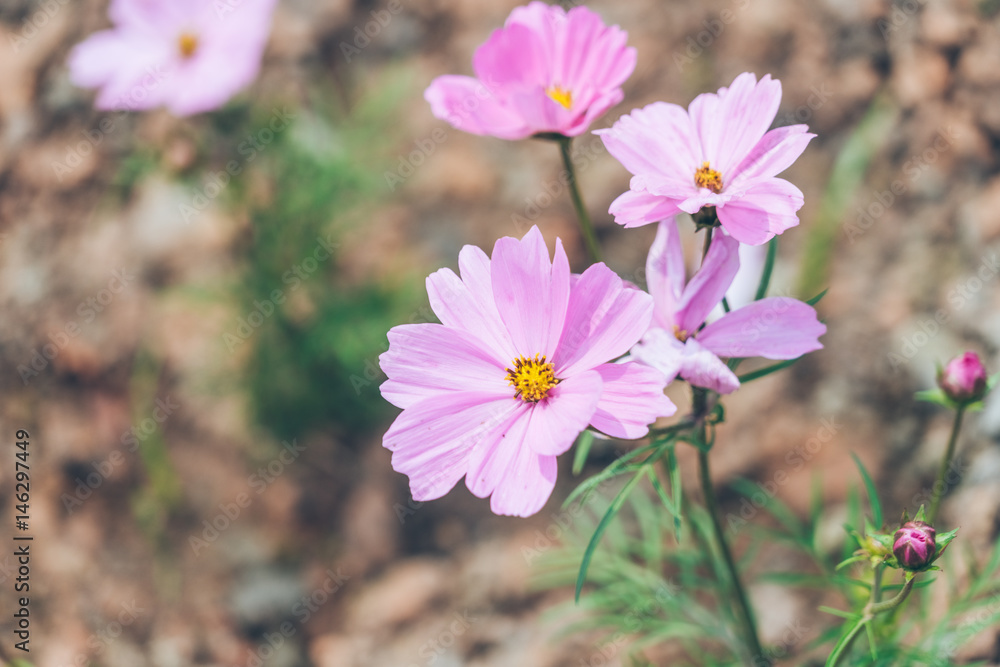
{"x":195,"y":355}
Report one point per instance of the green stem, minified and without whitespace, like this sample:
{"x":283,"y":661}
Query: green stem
{"x":868,"y":614}
{"x":938,"y":490}
{"x":745,"y":614}
{"x":581,"y":211}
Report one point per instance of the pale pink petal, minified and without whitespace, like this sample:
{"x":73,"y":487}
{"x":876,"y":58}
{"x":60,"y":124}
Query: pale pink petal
{"x":709,"y":284}
{"x":665,"y":274}
{"x":519,"y":480}
{"x":512,"y":56}
{"x":661,"y":350}
{"x":634,"y":209}
{"x":775,"y":328}
{"x":467,"y":304}
{"x":604,"y":319}
{"x":469,"y":106}
{"x":772,"y":155}
{"x":557,"y":419}
{"x":657,"y":139}
{"x":766,"y":208}
{"x":428,"y":359}
{"x":631,"y":400}
{"x":702,"y":368}
{"x":531,"y":292}
{"x":731,"y":122}
{"x":432,"y":441}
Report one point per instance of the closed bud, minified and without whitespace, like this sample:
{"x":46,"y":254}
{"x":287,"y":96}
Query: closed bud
{"x":913,"y":545}
{"x":964,"y":380}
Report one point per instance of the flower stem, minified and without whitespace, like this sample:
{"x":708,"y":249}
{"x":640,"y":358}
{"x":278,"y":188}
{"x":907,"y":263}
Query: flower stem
{"x":708,"y":243}
{"x":745,"y":614}
{"x":581,"y":211}
{"x":868,"y":614}
{"x":938,"y":490}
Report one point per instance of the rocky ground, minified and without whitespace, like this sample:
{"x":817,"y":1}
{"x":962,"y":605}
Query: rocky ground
{"x":248,"y":552}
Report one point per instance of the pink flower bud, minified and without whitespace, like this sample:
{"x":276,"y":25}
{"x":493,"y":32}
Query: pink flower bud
{"x":913,"y":544}
{"x":963,"y":380}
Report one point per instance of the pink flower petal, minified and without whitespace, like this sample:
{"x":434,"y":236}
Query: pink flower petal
{"x":772,"y":155}
{"x":767,"y":208}
{"x":732,"y":122}
{"x":634,"y":209}
{"x":560,"y":417}
{"x":467,"y":304}
{"x":514,"y":56}
{"x":469,"y":106}
{"x":774,"y":328}
{"x":604,"y":319}
{"x":661,"y":350}
{"x":709,"y":284}
{"x":665,"y":274}
{"x":632,"y":399}
{"x":432,"y":441}
{"x":702,"y":368}
{"x":659,"y":140}
{"x":428,"y":359}
{"x":519,"y":480}
{"x":531,"y":292}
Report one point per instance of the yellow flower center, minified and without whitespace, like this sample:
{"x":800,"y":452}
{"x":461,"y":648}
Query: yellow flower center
{"x":560,"y":95}
{"x":187,"y":44}
{"x":681,"y":334}
{"x":532,"y":378}
{"x":706,"y":177}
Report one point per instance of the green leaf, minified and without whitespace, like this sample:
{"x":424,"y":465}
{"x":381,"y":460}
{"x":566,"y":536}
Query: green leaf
{"x":851,"y":630}
{"x":853,"y":559}
{"x":616,"y":505}
{"x":765,"y":276}
{"x":816,"y":299}
{"x":583,"y":444}
{"x":871,"y":641}
{"x":837,"y":612}
{"x":873,"y":500}
{"x":767,"y":370}
{"x":942,"y":541}
{"x":936,"y":396}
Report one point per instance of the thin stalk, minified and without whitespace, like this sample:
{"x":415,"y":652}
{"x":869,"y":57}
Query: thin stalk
{"x":868,"y":614}
{"x":708,"y":243}
{"x":745,"y":614}
{"x":593,"y":247}
{"x":938,"y":489}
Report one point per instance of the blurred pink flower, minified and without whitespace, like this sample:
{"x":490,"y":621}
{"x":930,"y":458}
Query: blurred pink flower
{"x":546,"y":70}
{"x":964,"y":379}
{"x":187,"y":55}
{"x":676,"y":343}
{"x":718,"y":154}
{"x":517,"y":369}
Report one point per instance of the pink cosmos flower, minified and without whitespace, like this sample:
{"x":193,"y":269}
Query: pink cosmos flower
{"x":517,"y":369}
{"x":718,"y":154}
{"x":676,"y":343}
{"x":546,"y":70}
{"x":188,"y":55}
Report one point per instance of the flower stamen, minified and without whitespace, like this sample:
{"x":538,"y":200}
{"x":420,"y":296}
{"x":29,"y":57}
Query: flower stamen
{"x":681,"y":334}
{"x":532,"y":378}
{"x":560,"y":95}
{"x":706,"y":177}
{"x":187,"y":44}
